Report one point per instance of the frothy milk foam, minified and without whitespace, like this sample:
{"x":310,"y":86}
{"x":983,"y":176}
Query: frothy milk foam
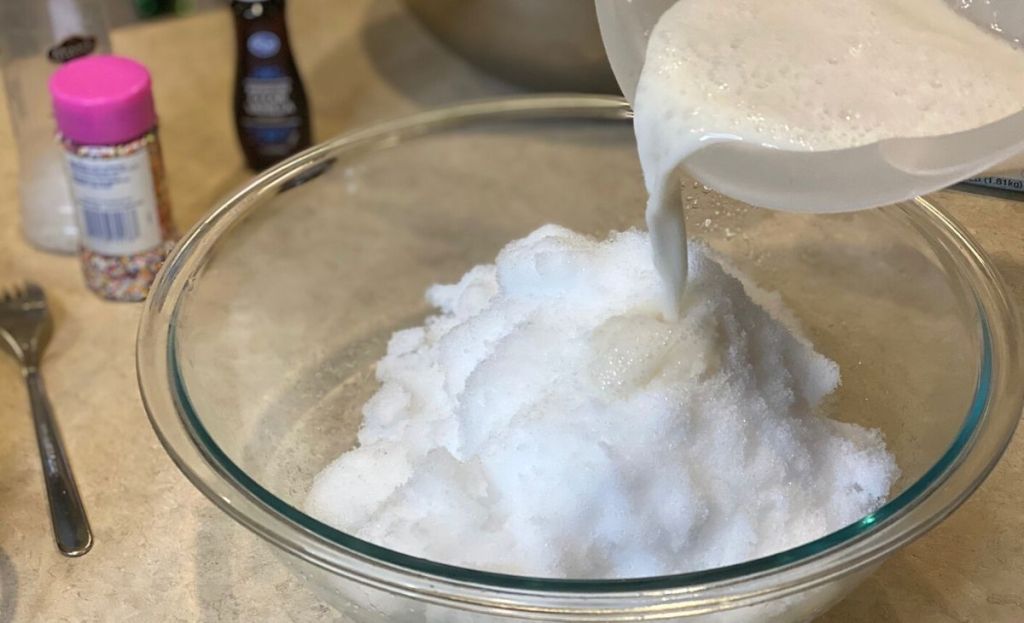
{"x":806,"y":75}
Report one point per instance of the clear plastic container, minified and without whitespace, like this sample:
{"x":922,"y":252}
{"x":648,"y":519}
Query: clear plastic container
{"x":898,"y":168}
{"x":36,"y":36}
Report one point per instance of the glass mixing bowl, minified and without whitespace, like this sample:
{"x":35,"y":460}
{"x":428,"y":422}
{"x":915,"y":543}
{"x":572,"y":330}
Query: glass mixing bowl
{"x":257,"y":346}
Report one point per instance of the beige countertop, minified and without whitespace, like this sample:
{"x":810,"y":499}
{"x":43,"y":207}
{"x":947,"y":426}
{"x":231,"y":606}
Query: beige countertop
{"x":163,"y":552}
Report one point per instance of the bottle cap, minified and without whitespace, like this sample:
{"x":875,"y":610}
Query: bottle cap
{"x":102,"y":100}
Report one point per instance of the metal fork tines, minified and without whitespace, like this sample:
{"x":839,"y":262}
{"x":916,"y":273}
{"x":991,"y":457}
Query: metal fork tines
{"x":25,"y":328}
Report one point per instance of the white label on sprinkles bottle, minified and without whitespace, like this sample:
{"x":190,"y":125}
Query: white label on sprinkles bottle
{"x":116,"y":203}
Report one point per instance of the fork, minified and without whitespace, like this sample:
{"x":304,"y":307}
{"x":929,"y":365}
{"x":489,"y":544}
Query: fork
{"x":25,"y":329}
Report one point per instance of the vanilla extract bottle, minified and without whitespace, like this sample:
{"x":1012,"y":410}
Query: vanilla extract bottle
{"x":271,"y":109}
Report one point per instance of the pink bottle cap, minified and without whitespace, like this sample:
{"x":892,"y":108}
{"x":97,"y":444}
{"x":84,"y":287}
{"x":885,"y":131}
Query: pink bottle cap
{"x":102,"y":100}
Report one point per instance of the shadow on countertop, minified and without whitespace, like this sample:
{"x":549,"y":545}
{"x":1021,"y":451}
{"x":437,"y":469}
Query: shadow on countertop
{"x":355,"y":82}
{"x":8,"y":589}
{"x":240,"y":578}
{"x":407,"y":56}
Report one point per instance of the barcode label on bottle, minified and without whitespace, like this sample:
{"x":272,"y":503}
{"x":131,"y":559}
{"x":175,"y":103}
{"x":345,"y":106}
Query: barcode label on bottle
{"x":111,"y":226}
{"x":116,"y":203}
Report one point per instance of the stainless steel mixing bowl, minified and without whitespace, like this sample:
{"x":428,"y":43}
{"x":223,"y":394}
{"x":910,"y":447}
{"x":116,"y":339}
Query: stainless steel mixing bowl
{"x":547,"y":45}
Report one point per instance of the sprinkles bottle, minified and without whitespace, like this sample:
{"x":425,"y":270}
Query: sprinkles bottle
{"x":106,"y":124}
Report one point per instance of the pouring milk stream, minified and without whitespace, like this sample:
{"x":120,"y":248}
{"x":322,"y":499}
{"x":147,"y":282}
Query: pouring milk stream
{"x":810,"y":105}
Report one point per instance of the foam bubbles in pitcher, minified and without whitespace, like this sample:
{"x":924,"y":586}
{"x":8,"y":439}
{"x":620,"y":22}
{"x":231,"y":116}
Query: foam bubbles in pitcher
{"x":824,"y":74}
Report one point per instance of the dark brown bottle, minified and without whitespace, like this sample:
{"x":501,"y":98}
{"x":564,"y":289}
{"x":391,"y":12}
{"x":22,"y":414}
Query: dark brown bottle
{"x":271,"y":110}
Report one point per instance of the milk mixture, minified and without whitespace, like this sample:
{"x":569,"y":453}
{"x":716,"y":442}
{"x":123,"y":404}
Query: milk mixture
{"x":561,"y":416}
{"x":807,"y":75}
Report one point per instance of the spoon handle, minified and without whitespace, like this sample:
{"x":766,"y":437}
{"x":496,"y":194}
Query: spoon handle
{"x":70,"y":524}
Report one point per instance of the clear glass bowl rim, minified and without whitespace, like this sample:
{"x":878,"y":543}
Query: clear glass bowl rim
{"x":987,"y":429}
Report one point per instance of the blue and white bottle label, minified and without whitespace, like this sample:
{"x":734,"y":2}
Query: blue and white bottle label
{"x":268,"y":97}
{"x":115,"y":203}
{"x":263,"y":44}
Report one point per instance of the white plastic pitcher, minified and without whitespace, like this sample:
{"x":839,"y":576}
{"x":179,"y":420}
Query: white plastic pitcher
{"x":834,"y":181}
